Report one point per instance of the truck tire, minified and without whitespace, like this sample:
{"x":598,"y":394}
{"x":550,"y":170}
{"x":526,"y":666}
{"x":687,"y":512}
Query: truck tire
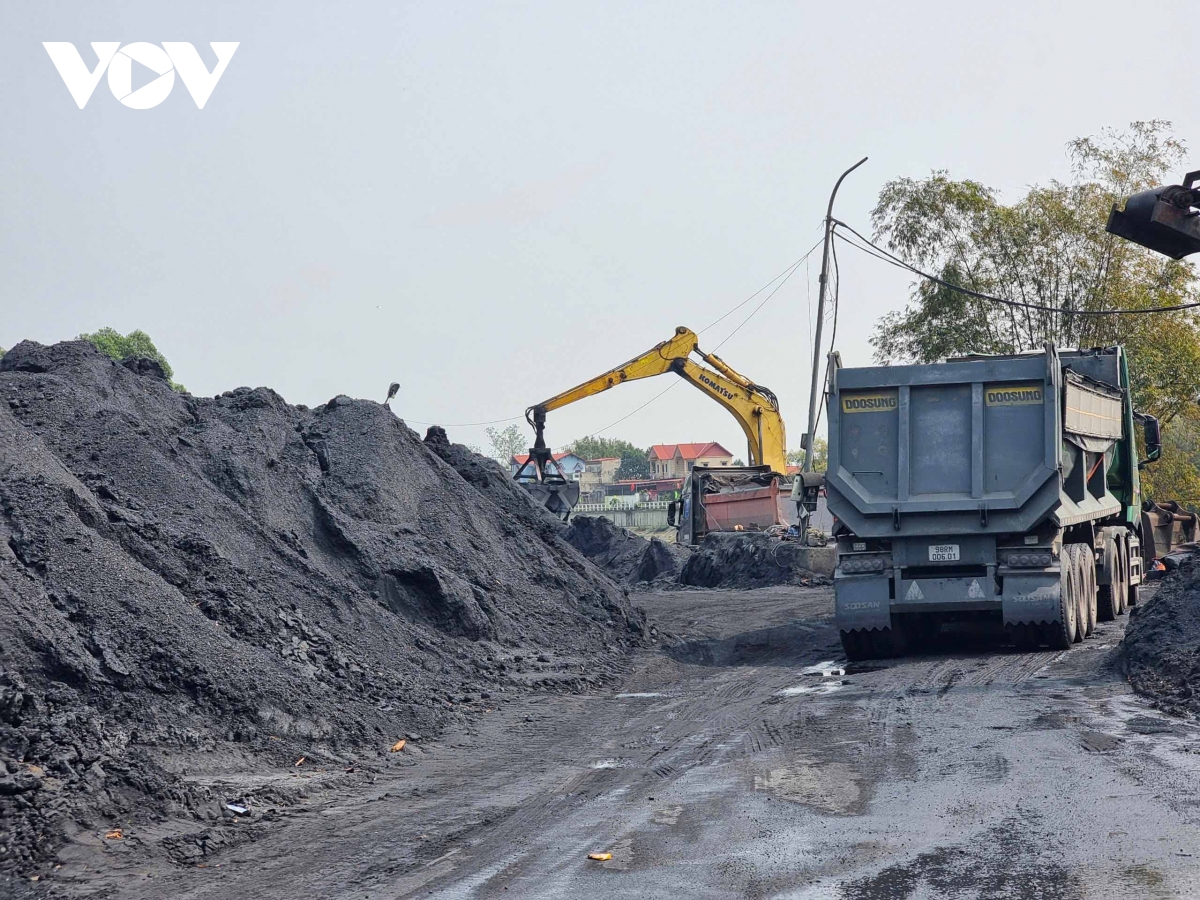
{"x":1061,"y":634}
{"x":1027,"y":637}
{"x":1087,"y":558}
{"x":1071,"y":558}
{"x":860,"y":644}
{"x":857,"y":645}
{"x":1124,"y":593}
{"x":1108,"y":599}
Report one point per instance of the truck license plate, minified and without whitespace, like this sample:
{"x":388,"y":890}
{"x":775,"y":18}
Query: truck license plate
{"x":943,"y":552}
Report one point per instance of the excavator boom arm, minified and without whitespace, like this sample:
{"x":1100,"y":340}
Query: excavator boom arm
{"x":757,"y":415}
{"x":754,"y":407}
{"x":655,"y":361}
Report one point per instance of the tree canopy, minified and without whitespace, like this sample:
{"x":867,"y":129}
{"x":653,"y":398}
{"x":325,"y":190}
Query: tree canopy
{"x":137,"y":343}
{"x":634,"y":460}
{"x":508,"y":442}
{"x":1050,"y":248}
{"x":820,"y":455}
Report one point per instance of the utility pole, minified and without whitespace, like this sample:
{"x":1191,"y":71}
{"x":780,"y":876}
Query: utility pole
{"x":809,"y":437}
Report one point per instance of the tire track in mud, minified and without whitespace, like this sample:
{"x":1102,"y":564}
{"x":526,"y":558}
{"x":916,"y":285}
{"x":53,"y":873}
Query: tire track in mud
{"x":919,"y":777}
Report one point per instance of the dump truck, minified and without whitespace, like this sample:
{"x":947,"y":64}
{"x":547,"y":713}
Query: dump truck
{"x":993,"y":489}
{"x":731,"y":498}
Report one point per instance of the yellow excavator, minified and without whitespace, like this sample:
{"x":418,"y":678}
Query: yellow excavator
{"x":755,"y":407}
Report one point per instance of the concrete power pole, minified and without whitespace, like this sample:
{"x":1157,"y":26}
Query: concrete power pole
{"x":809,"y":437}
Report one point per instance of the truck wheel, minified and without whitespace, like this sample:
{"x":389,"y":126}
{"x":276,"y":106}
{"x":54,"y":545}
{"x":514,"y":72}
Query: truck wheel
{"x":890,"y":642}
{"x":1108,"y":599}
{"x":1071,"y":556}
{"x":874,"y":644}
{"x":854,"y":645}
{"x":1061,"y":634}
{"x":1122,"y":596}
{"x":1087,"y":558}
{"x":1027,"y":637}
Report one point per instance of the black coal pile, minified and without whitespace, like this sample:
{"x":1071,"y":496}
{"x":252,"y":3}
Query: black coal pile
{"x":624,"y":556}
{"x":746,"y":559}
{"x":183,"y":576}
{"x":1161,"y":649}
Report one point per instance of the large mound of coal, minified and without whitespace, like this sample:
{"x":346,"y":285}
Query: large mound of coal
{"x":1161,"y":649}
{"x":745,"y":559}
{"x":624,"y":556}
{"x":179,"y":572}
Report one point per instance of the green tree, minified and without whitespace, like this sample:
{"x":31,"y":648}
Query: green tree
{"x":820,"y":455}
{"x":1176,"y":474}
{"x":508,"y":442}
{"x":598,"y":448}
{"x":137,"y":343}
{"x":634,"y":466}
{"x":635,"y":461}
{"x":1048,"y":248}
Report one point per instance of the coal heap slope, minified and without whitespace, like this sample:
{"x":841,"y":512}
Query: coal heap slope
{"x":180,"y":571}
{"x":623,"y":555}
{"x":1161,"y":649}
{"x":729,"y":559}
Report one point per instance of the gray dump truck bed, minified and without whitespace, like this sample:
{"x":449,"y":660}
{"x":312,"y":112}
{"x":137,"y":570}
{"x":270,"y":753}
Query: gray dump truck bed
{"x":936,"y":472}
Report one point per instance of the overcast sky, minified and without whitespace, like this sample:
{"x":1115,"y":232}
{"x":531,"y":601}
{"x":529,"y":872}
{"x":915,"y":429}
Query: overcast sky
{"x":492,"y":202}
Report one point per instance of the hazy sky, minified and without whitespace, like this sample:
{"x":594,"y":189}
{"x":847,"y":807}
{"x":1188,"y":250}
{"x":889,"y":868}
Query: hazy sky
{"x":492,"y":202}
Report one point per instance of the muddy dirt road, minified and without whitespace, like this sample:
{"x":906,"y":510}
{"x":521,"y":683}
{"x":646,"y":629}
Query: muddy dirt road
{"x":741,"y":764}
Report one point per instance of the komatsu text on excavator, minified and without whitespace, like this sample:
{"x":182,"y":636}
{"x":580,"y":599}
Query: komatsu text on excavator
{"x":755,"y":408}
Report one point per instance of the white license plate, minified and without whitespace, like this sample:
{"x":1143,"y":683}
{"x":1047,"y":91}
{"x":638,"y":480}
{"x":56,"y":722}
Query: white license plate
{"x":943,"y":552}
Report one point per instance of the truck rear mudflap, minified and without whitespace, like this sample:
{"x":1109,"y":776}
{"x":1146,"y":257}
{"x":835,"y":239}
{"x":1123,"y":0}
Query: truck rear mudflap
{"x":867,"y":602}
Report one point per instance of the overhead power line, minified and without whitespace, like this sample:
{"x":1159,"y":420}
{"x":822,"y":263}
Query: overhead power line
{"x":784,"y":275}
{"x":873,"y":249}
{"x":464,"y":424}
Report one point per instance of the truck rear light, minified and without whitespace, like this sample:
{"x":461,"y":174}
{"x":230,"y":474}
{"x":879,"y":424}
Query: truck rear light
{"x":865,"y":564}
{"x":1028,"y":560}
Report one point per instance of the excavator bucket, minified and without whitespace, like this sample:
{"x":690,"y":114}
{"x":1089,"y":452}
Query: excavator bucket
{"x":1165,"y":526}
{"x":560,"y":499}
{"x":542,"y":476}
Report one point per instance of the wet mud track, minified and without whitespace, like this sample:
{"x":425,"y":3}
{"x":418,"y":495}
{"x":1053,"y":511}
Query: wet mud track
{"x":749,"y":761}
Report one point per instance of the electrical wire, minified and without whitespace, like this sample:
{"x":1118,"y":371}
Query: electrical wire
{"x":888,"y":257}
{"x":673,"y":384}
{"x":763,"y":288}
{"x":465,"y":424}
{"x":786,"y":274}
{"x":754,"y":311}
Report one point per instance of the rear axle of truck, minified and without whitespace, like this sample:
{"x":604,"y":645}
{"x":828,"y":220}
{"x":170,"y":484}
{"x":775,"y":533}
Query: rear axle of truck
{"x":1046,"y":588}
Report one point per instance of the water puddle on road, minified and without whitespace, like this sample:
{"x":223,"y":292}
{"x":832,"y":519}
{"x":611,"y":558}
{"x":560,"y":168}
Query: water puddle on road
{"x":608,"y":764}
{"x":834,"y":669}
{"x":829,"y":787}
{"x":827,"y":669}
{"x":825,"y":687}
